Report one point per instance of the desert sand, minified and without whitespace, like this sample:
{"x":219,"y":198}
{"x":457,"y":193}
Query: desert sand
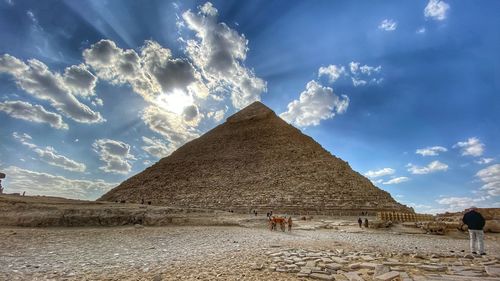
{"x":228,"y":246}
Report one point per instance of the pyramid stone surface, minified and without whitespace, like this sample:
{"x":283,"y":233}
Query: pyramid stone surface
{"x":255,"y":160}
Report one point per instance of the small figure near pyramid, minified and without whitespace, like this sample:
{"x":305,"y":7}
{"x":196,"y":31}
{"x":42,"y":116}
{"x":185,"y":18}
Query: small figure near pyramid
{"x":256,"y":161}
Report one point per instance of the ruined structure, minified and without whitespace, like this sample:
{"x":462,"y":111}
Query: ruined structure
{"x":491,"y":215}
{"x":403,"y":217}
{"x":256,"y":161}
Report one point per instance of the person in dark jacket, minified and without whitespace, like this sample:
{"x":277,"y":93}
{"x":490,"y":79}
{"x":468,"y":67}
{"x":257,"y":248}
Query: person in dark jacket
{"x":360,"y":222}
{"x":475,"y":222}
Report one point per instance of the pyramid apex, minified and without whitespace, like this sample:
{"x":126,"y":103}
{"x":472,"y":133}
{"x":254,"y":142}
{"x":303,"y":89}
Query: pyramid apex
{"x":256,"y":110}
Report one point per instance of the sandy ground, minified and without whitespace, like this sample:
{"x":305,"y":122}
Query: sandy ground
{"x":190,"y":252}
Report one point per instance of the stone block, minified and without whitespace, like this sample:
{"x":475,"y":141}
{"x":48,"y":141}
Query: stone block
{"x":353,"y":276}
{"x":321,"y":276}
{"x":391,"y":275}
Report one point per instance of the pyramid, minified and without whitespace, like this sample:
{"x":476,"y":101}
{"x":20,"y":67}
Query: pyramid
{"x":256,"y":161}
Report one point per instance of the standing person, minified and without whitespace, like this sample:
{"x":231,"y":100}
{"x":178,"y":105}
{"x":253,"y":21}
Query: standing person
{"x":475,"y":222}
{"x":366,"y":223}
{"x":290,"y":224}
{"x":360,"y":222}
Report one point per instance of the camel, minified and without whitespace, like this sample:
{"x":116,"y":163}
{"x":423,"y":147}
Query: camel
{"x":273,"y":221}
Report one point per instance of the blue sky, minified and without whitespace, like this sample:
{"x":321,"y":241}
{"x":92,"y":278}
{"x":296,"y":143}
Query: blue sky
{"x":92,"y":92}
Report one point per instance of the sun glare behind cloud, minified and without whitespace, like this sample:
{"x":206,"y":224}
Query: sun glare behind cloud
{"x":174,"y":102}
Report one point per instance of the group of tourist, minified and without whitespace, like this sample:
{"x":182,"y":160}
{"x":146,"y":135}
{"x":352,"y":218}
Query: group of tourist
{"x":360,"y":222}
{"x":472,"y":218}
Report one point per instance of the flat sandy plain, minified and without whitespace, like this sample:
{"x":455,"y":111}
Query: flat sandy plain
{"x":247,"y":251}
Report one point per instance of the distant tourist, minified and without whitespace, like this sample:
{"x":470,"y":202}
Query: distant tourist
{"x":360,"y":222}
{"x":24,"y":193}
{"x":290,"y":224}
{"x":366,"y":223}
{"x":475,"y":222}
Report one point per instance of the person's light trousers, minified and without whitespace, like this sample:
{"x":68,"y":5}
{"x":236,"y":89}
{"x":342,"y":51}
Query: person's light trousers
{"x":476,"y":240}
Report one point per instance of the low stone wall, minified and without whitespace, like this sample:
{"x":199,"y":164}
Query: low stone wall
{"x":49,"y":212}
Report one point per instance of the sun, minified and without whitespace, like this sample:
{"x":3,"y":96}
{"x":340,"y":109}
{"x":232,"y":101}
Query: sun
{"x":175,"y":101}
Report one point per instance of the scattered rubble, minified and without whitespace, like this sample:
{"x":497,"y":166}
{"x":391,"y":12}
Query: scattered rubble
{"x":352,"y":265}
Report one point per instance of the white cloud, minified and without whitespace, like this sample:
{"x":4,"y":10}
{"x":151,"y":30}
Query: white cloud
{"x":316,"y":103}
{"x":176,"y":129}
{"x":217,"y":115}
{"x":115,"y":154}
{"x":32,"y":182}
{"x":354,"y":67}
{"x":49,"y":155}
{"x":388,"y":25}
{"x":168,"y":73}
{"x":434,"y":166}
{"x":369,"y":70}
{"x":37,"y":80}
{"x":208,"y":9}
{"x":157,"y":147}
{"x":33,"y":113}
{"x":472,"y":147}
{"x":97,"y":102}
{"x":177,"y":87}
{"x":80,"y":80}
{"x":431,"y":150}
{"x":24,"y":139}
{"x":421,"y":30}
{"x":378,"y":181}
{"x":219,"y":52}
{"x":436,"y":9}
{"x":380,"y":173}
{"x":362,"y":74}
{"x":32,"y":17}
{"x":332,"y":72}
{"x":358,"y":82}
{"x":159,"y":78}
{"x":419,"y":206}
{"x":490,"y":176}
{"x":396,"y":180}
{"x":171,"y":85}
{"x":484,"y":160}
{"x":459,"y":203}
